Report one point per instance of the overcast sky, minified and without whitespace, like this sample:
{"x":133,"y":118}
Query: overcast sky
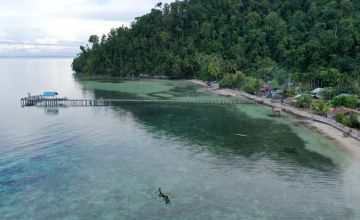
{"x":57,"y":28}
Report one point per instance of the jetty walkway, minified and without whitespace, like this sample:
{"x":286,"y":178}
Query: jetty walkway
{"x":65,"y":102}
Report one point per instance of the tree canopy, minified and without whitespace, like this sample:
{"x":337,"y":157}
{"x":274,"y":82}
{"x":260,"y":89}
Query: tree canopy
{"x":210,"y":39}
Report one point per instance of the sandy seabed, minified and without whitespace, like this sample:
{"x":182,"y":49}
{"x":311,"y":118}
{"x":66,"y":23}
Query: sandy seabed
{"x":348,"y":144}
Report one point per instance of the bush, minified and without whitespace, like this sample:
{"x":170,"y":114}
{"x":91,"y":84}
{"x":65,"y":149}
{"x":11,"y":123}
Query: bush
{"x":304,"y":101}
{"x":351,"y":101}
{"x":227,"y":81}
{"x":235,"y":80}
{"x":250,"y":88}
{"x":337,"y":101}
{"x":346,"y":101}
{"x":340,"y":117}
{"x":328,"y":93}
{"x":273,"y":83}
{"x":352,"y":121}
{"x":289,"y":92}
{"x":239,"y":79}
{"x":321,"y":108}
{"x":253,"y":85}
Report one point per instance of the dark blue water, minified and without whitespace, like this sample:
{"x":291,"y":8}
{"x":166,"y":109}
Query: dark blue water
{"x":108,"y":162}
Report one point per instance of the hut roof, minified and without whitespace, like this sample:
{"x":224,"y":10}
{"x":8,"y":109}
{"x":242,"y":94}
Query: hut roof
{"x":344,"y":94}
{"x":50,"y":94}
{"x":317,"y":90}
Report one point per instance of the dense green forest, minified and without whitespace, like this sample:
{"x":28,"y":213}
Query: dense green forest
{"x":236,"y":41}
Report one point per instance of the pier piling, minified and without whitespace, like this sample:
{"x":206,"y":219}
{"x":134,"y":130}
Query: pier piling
{"x":37,"y":101}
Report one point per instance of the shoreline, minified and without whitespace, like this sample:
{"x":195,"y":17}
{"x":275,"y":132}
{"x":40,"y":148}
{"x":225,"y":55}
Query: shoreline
{"x":325,"y":127}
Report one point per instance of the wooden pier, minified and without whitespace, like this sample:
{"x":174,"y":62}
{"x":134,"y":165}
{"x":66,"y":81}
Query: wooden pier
{"x":65,"y":102}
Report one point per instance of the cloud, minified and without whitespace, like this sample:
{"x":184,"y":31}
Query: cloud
{"x":63,"y":22}
{"x":3,"y":34}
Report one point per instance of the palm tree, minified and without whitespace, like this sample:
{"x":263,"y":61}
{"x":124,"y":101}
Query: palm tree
{"x":321,"y":108}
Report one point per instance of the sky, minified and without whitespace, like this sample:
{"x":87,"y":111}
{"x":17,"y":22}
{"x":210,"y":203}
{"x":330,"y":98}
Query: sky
{"x":59,"y":27}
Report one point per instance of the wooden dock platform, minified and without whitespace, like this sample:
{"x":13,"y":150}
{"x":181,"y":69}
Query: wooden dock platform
{"x":65,"y":102}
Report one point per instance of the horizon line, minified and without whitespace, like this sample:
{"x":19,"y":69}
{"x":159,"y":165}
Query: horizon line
{"x":69,"y":44}
{"x":37,"y":56}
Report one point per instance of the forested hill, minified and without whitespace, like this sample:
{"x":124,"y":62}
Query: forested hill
{"x":265,"y":39}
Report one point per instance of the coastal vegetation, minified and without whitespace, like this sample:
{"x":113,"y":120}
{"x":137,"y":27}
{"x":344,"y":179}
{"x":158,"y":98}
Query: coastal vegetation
{"x":296,"y":46}
{"x":341,"y":108}
{"x":321,"y":108}
{"x":352,"y":121}
{"x":350,"y":101}
{"x":303,"y":41}
{"x":304,"y":101}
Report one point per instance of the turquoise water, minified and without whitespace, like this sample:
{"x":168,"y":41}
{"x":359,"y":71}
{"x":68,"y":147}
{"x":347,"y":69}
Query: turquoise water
{"x":216,"y":162}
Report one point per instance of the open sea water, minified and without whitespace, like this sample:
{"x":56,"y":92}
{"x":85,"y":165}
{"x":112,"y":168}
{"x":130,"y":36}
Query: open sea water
{"x":215,"y":162}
